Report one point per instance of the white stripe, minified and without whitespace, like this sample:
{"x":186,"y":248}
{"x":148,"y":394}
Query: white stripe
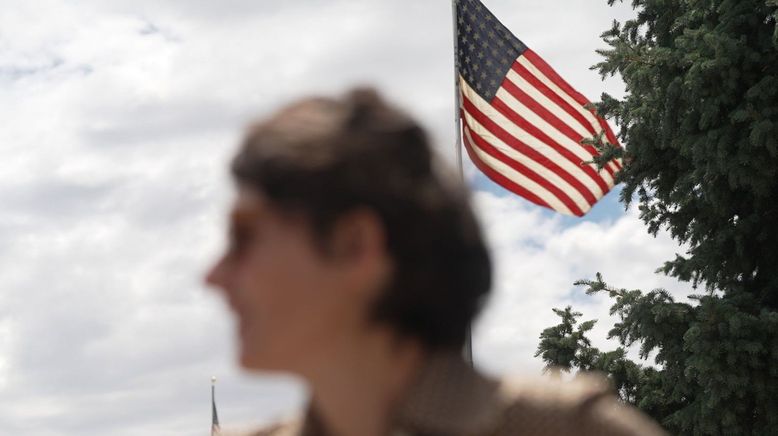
{"x":530,"y":163}
{"x":517,"y":177}
{"x":546,"y":102}
{"x":549,"y":153}
{"x":562,"y":94}
{"x":557,"y":111}
{"x":588,"y":116}
{"x":555,"y":135}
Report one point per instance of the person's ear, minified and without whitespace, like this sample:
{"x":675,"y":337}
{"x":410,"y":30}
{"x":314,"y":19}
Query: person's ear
{"x":358,"y":237}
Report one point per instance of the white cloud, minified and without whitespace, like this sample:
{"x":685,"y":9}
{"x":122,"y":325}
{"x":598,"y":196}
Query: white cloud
{"x":536,"y":262}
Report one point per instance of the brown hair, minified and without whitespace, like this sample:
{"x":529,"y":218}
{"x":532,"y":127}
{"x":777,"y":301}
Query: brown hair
{"x":322,"y":157}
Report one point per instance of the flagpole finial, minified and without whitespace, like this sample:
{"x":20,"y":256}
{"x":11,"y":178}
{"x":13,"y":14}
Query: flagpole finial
{"x":213,"y":380}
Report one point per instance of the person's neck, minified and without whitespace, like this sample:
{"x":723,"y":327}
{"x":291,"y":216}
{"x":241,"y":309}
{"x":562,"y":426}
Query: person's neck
{"x":358,"y":386}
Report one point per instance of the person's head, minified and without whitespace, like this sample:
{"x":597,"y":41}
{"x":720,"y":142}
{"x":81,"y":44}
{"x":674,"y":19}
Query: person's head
{"x":344,"y":223}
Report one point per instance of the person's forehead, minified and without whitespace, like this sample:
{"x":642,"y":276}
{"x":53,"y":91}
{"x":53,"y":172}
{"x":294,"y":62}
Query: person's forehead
{"x":249,"y":204}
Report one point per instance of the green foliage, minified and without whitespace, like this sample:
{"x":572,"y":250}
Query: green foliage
{"x":700,"y":121}
{"x":561,"y":346}
{"x":715,"y":370}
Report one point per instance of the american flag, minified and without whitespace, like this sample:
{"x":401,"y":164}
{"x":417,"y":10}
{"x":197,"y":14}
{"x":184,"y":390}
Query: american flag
{"x":522,"y":124}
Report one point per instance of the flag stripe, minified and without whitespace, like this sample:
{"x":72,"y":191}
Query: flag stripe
{"x":520,"y":83}
{"x":548,"y":88}
{"x":544,"y":130}
{"x":575,"y":110}
{"x":523,"y":69}
{"x":511,"y":180}
{"x":550,"y":181}
{"x":577,"y":96}
{"x":519,"y":137}
{"x":541,"y":153}
{"x":548,"y":110}
{"x":540,"y":69}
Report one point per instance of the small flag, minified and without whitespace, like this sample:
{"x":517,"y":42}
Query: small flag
{"x":215,"y":430}
{"x":522,"y":124}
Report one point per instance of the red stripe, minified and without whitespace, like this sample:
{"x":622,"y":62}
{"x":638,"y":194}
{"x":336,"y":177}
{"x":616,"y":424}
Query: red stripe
{"x":526,"y":150}
{"x":549,"y":72}
{"x":552,"y":119}
{"x":553,"y":96}
{"x":562,"y":103}
{"x":501,"y":179}
{"x":527,"y":172}
{"x":567,"y":154}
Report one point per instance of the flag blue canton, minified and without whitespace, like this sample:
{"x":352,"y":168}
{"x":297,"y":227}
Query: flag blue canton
{"x":485,"y":48}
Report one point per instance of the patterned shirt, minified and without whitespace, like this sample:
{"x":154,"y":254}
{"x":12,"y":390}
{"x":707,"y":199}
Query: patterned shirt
{"x":452,"y":399}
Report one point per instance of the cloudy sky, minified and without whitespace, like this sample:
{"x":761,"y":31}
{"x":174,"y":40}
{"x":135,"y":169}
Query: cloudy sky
{"x":118,"y":117}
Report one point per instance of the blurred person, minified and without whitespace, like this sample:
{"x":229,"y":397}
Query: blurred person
{"x":356,"y":263}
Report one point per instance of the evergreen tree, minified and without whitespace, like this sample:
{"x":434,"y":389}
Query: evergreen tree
{"x":700,"y":121}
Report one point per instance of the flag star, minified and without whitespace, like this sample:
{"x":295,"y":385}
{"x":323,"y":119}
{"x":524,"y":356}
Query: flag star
{"x":495,"y":53}
{"x":477,"y":36}
{"x":493,"y":83}
{"x":491,"y":34}
{"x":478,"y":86}
{"x":484,"y":44}
{"x":483,"y":75}
{"x":480,"y":55}
{"x":471,"y":46}
{"x":482,"y":25}
{"x":476,"y":67}
{"x":500,"y":42}
{"x":489,"y":63}
{"x":468,"y":28}
{"x":468,"y":60}
{"x":460,"y":20}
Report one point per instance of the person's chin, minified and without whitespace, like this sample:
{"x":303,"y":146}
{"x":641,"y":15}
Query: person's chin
{"x":258,"y":361}
{"x":250,"y":355}
{"x":258,"y":353}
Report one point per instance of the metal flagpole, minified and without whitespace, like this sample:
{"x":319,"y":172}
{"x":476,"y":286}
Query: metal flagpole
{"x":468,"y":348}
{"x":457,"y":105}
{"x":215,"y":429}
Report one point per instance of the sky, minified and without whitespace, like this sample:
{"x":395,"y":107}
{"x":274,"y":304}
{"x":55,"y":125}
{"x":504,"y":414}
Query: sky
{"x":118,"y":120}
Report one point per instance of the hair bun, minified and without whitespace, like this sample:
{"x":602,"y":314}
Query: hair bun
{"x":364,"y":97}
{"x":364,"y":105}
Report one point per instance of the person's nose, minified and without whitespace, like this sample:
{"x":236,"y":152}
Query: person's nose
{"x":217,"y":276}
